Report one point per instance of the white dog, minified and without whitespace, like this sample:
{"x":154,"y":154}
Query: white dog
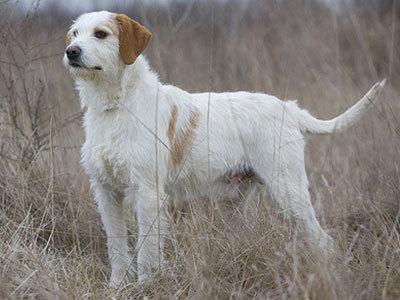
{"x":144,"y":138}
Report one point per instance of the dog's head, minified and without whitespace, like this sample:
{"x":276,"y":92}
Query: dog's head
{"x":102,"y":43}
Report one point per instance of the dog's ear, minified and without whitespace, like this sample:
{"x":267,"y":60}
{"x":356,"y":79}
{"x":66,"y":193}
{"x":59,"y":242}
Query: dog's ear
{"x":133,"y":38}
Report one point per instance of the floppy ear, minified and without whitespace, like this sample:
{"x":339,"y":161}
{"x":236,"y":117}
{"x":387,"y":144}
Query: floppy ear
{"x":133,"y":39}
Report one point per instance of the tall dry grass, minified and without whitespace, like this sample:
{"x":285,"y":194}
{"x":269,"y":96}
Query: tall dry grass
{"x":51,"y":241}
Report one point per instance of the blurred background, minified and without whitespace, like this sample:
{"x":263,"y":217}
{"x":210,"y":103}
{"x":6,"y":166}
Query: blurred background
{"x":324,"y":53}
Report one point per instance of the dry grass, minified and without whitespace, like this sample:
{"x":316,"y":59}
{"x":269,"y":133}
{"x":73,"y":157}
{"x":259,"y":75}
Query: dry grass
{"x":51,"y":241}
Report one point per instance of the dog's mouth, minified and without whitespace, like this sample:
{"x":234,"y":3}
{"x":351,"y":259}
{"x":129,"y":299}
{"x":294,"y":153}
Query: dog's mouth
{"x":76,"y":64}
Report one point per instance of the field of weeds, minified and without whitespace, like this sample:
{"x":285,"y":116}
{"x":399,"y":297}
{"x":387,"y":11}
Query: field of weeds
{"x":52,"y":245}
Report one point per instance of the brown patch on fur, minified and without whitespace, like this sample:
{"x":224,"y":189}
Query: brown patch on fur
{"x":107,"y":167}
{"x":172,"y":124}
{"x":183,"y":139}
{"x":68,"y":39}
{"x":133,"y":38}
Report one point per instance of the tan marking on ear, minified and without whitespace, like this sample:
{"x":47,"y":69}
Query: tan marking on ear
{"x":183,"y":140}
{"x":68,"y":39}
{"x":133,"y":38}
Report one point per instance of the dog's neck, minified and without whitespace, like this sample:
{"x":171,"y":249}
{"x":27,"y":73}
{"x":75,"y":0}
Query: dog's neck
{"x":104,"y":93}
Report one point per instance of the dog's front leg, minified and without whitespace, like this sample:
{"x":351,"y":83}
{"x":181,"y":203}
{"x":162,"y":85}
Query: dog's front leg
{"x":152,"y":227}
{"x":111,"y":208}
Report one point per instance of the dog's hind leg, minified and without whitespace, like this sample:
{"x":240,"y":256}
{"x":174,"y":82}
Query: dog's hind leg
{"x":294,"y":198}
{"x":289,"y":189}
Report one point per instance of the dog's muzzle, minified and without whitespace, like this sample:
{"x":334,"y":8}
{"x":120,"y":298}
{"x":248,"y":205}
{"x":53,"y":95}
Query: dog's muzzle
{"x":74,"y":54}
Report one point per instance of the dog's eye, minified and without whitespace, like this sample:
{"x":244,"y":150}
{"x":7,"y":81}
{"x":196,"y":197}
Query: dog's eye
{"x":75,"y":33}
{"x":100,"y":34}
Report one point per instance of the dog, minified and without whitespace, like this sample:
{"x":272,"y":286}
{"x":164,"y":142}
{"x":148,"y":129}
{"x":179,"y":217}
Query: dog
{"x":145,"y":138}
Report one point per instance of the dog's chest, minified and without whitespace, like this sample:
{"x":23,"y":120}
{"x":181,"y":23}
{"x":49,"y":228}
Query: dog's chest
{"x":117,"y":150}
{"x":104,"y":163}
{"x":105,"y":152}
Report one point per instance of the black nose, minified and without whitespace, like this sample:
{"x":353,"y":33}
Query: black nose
{"x":73,"y":52}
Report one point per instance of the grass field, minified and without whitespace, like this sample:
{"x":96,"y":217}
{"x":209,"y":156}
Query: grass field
{"x":52,"y":245}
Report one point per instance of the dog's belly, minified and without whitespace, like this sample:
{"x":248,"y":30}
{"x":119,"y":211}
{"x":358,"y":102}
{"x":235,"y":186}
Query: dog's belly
{"x":197,"y":183}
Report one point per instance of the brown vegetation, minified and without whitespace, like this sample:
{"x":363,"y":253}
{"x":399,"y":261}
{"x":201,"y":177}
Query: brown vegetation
{"x":51,"y":239}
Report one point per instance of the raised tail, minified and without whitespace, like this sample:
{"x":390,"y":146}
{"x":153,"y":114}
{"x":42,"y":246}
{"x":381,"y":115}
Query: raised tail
{"x":311,"y":126}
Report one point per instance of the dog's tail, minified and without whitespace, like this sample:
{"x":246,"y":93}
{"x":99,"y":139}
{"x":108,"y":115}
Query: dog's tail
{"x":311,"y":126}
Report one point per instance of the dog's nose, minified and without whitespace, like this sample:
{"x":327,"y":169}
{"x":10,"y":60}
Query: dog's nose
{"x":73,"y":52}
